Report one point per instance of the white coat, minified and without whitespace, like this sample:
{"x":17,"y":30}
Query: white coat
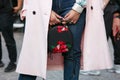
{"x":33,"y":56}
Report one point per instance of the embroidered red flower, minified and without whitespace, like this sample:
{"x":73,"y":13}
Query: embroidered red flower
{"x":61,"y":47}
{"x":61,"y":28}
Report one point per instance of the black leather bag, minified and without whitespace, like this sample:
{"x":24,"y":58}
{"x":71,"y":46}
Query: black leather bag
{"x":60,"y":39}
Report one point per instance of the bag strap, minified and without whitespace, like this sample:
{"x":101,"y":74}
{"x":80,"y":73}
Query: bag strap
{"x":61,"y":23}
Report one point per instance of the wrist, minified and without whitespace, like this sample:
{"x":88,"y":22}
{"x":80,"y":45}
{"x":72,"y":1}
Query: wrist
{"x":116,"y":16}
{"x":116,"y":13}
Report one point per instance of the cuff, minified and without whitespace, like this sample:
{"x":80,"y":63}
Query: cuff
{"x":77,"y":8}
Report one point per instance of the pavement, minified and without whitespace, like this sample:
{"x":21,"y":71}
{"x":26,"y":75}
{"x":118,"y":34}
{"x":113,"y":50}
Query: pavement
{"x":51,"y":75}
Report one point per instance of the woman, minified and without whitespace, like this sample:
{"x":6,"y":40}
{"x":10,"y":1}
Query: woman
{"x":116,"y":31}
{"x":96,"y":54}
{"x":33,"y":57}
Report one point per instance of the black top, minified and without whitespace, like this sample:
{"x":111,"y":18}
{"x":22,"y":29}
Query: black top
{"x":7,"y":5}
{"x":14,"y":2}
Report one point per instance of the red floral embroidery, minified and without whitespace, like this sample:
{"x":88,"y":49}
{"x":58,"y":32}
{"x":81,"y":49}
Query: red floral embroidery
{"x":61,"y":28}
{"x":61,"y":47}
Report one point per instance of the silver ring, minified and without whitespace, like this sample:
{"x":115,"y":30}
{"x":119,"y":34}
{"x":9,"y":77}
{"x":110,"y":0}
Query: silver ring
{"x":70,"y":22}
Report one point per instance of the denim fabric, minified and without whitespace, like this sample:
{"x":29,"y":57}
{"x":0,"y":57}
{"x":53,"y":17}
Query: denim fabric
{"x":26,"y":77}
{"x":72,"y":58}
{"x":82,"y":2}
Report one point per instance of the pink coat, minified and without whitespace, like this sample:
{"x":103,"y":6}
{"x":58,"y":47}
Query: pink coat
{"x":33,"y":55}
{"x":96,"y":53}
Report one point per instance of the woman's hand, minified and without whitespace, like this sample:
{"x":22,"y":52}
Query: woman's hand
{"x":72,"y":16}
{"x":54,"y":18}
{"x":116,"y":25}
{"x":23,"y":14}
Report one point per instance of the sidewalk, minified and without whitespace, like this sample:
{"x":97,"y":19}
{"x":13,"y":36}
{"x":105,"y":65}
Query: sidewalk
{"x":51,"y":75}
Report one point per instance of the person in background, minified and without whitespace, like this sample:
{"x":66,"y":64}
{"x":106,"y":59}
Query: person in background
{"x":92,"y":48}
{"x":7,"y":10}
{"x":70,"y":11}
{"x":112,"y":25}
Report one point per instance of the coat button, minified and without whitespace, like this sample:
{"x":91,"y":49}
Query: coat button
{"x":34,"y":12}
{"x":91,"y":7}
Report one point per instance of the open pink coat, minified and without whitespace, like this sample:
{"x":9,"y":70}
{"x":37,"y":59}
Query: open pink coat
{"x":33,"y":56}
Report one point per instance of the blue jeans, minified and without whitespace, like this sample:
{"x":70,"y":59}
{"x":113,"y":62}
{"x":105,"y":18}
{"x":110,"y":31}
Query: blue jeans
{"x":26,"y":77}
{"x":72,"y":58}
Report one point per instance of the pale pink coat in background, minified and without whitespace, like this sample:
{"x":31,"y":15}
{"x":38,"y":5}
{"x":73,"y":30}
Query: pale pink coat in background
{"x":96,"y":53}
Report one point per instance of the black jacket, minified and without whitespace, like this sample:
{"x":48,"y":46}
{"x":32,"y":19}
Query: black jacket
{"x":117,"y":4}
{"x":112,"y":7}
